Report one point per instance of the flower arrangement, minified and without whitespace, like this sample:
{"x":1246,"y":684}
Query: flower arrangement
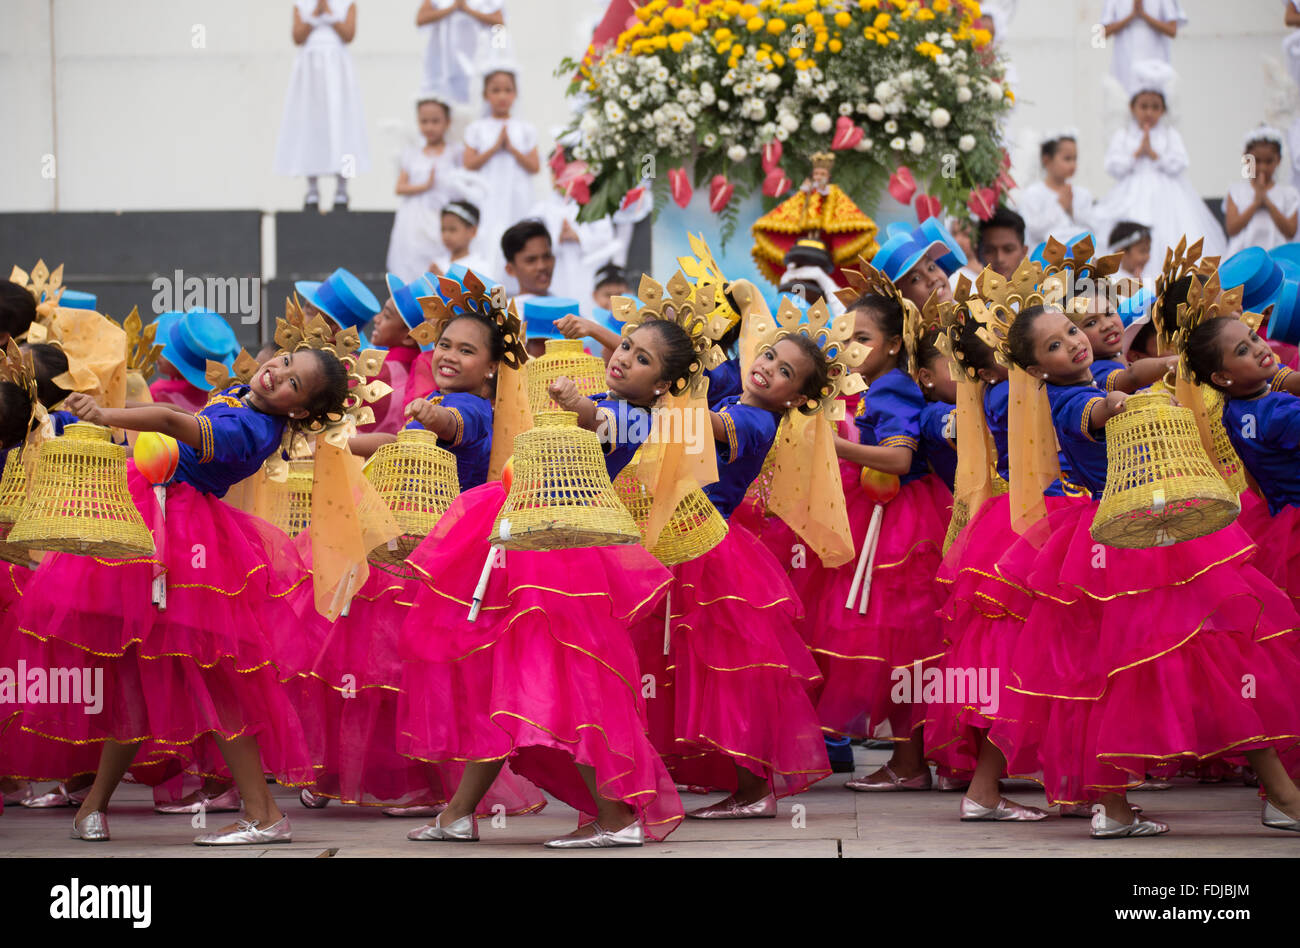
{"x":740,"y":95}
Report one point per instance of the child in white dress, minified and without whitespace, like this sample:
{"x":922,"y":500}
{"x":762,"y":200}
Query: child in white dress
{"x":459,"y":228}
{"x":503,"y":150}
{"x":1053,"y":207}
{"x":1134,"y":241}
{"x":1149,"y":162}
{"x":1138,"y":30}
{"x":458,"y":31}
{"x":427,"y":182}
{"x":323,"y":130}
{"x":1260,"y":211}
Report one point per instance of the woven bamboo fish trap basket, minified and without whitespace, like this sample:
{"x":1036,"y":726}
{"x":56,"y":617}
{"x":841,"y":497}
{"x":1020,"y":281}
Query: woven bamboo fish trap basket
{"x":1161,"y":488}
{"x":563,"y":357}
{"x":561,"y":496}
{"x":290,"y":500}
{"x":79,"y":501}
{"x":694,"y":528}
{"x":418,"y":481}
{"x":13,"y":494}
{"x":961,"y":512}
{"x":1225,"y":455}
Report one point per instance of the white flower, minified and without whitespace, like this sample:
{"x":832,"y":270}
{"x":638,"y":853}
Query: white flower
{"x":946,"y":41}
{"x":707,"y":95}
{"x":821,"y":123}
{"x":940,"y":118}
{"x":963,"y":79}
{"x":781,"y":134}
{"x":611,"y":151}
{"x":621,"y":67}
{"x":803,"y":78}
{"x":737,"y":153}
{"x":846,"y":108}
{"x":966,"y":143}
{"x":661,"y":74}
{"x":898,"y":144}
{"x":693,"y":109}
{"x":635,"y":103}
{"x":789,"y":122}
{"x":633,"y":127}
{"x":963,"y":94}
{"x":723,"y":105}
{"x":685,"y":95}
{"x":890,"y":127}
{"x":865,"y":145}
{"x":625,"y":92}
{"x":772,"y":81}
{"x":943,"y":60}
{"x":875,"y":111}
{"x":993,"y":89}
{"x":590,"y":123}
{"x":861,"y":108}
{"x":613,"y":112}
{"x":710,"y":140}
{"x":916,"y":143}
{"x":884,"y":90}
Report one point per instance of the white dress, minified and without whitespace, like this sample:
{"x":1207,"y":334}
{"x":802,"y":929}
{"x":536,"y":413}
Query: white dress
{"x":576,"y":263}
{"x":323,"y":130}
{"x":417,"y":227}
{"x":1137,"y":41}
{"x":1044,"y":216}
{"x":1260,"y":231}
{"x":455,"y":48}
{"x":507,"y":186}
{"x":1155,"y":193}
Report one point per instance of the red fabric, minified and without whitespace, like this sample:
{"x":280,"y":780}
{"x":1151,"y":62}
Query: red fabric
{"x":396,"y":372}
{"x":178,"y":392}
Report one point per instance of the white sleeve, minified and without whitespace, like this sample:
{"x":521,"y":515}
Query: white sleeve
{"x":476,"y":136}
{"x":1115,"y":10}
{"x":1288,"y":201}
{"x":1119,"y":155}
{"x":1170,"y":10}
{"x":1235,"y":192}
{"x":526,"y":133}
{"x":1173,"y":158}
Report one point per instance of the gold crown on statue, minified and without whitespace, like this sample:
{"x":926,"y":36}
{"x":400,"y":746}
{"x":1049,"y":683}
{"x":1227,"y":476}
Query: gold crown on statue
{"x":833,"y":335}
{"x":472,"y":297}
{"x":1180,"y":261}
{"x":693,"y":308}
{"x":1068,"y":267}
{"x":823,"y":159}
{"x":1001,"y":301}
{"x":703,"y":269}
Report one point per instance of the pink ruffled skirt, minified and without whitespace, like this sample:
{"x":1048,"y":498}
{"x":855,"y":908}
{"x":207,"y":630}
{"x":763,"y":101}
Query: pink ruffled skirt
{"x":546,"y":677}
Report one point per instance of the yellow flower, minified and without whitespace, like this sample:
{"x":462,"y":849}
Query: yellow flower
{"x":762,"y":55}
{"x":678,"y":41}
{"x":924,"y":15}
{"x":835,"y":46}
{"x":843,"y":19}
{"x":776,"y":26}
{"x":660,"y":42}
{"x":748,"y":11}
{"x":722,"y":34}
{"x":642,"y":46}
{"x":778,"y":59}
{"x":941,"y":6}
{"x":868,"y":4}
{"x":644,"y":13}
{"x":981,"y":38}
{"x":815,"y":20}
{"x":723,"y":47}
{"x":754,"y":24}
{"x":804,"y":64}
{"x":1010,"y":95}
{"x":699,"y":26}
{"x":881,"y":21}
{"x":655,"y":25}
{"x":732,"y":7}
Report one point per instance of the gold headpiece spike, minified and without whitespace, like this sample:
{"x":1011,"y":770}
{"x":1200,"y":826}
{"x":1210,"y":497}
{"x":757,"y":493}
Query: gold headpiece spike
{"x":1017,"y":293}
{"x":917,"y":324}
{"x":704,"y":271}
{"x":867,"y":279}
{"x":690,"y":307}
{"x":1180,"y":261}
{"x":472,"y":297}
{"x":832,"y":335}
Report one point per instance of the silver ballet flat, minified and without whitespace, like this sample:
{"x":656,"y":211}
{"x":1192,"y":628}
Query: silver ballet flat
{"x":93,"y":828}
{"x":729,"y":809}
{"x":59,"y":796}
{"x":312,"y":801}
{"x":225,"y":802}
{"x":1105,"y":828}
{"x":249,"y":833}
{"x":1276,"y":819}
{"x":463,"y":830}
{"x":22,"y":796}
{"x":1006,"y":811}
{"x":601,"y":838}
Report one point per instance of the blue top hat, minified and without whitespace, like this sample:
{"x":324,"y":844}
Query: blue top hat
{"x":897,"y":229}
{"x":1256,"y":272}
{"x":342,"y":297}
{"x":190,"y":340}
{"x":1131,"y":307}
{"x":75,"y":299}
{"x":1286,"y":252}
{"x":406,"y":299}
{"x":1290,"y":268}
{"x":1284,"y":322}
{"x":541,"y":312}
{"x":899,"y":254}
{"x":931,"y":232}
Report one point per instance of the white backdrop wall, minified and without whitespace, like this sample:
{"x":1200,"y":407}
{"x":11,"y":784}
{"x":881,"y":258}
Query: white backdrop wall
{"x":139,"y":116}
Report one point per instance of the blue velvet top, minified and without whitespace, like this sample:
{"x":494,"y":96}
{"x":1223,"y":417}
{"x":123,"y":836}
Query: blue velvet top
{"x":1265,"y":430}
{"x":750,"y":433}
{"x":938,"y":449}
{"x":889,"y":415}
{"x":1105,"y":373}
{"x":236,"y":439}
{"x":997,"y":412}
{"x":724,"y":382}
{"x":1084,"y":448}
{"x":623,"y":429}
{"x":472,"y":443}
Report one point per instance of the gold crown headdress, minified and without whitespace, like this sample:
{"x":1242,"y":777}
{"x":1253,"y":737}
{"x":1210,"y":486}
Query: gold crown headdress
{"x":919,"y":323}
{"x":1205,"y":301}
{"x":704,"y":271}
{"x":1070,"y":270}
{"x":1001,"y":301}
{"x":953,"y":319}
{"x":46,"y":288}
{"x":19,"y":368}
{"x":833,"y":335}
{"x":693,"y":308}
{"x":141,"y":352}
{"x":823,"y":159}
{"x":1180,"y":261}
{"x":472,"y":297}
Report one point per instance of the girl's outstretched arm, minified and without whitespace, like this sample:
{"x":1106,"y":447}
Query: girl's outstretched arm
{"x":181,"y":425}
